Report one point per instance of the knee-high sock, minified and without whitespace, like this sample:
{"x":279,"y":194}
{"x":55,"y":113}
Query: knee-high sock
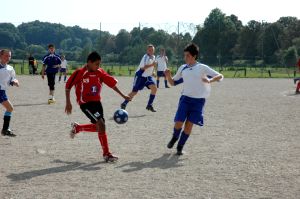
{"x":104,"y":143}
{"x":166,"y":83}
{"x":125,"y":102}
{"x":59,"y":78}
{"x":151,"y":99}
{"x":176,"y":133}
{"x":86,"y":128}
{"x":183,"y":139}
{"x":157,"y":83}
{"x":6,"y":120}
{"x":65,"y":78}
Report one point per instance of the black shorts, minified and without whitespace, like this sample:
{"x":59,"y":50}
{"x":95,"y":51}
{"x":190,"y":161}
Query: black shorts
{"x":93,"y":110}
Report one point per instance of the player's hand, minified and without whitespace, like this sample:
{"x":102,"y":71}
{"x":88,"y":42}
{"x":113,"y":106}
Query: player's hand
{"x":127,"y":97}
{"x":206,"y":80}
{"x":16,"y":83}
{"x":68,"y":108}
{"x":167,"y":72}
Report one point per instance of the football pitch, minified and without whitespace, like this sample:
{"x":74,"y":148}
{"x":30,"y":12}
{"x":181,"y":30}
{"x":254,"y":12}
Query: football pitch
{"x":248,"y":148}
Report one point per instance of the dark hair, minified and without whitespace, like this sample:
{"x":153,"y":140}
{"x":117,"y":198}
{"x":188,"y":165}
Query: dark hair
{"x":193,"y":49}
{"x":51,"y":46}
{"x":93,"y":56}
{"x":3,"y":51}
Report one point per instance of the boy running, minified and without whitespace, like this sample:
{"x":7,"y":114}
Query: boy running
{"x":144,"y":77}
{"x":88,"y":82}
{"x":51,"y":64}
{"x":63,"y":69}
{"x":162,"y":61}
{"x":7,"y":78}
{"x":196,"y":88}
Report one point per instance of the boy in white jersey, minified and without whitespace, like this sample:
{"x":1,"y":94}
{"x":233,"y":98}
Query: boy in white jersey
{"x":144,"y":77}
{"x":7,"y":78}
{"x":162,"y":61}
{"x":63,"y":69}
{"x":196,"y":88}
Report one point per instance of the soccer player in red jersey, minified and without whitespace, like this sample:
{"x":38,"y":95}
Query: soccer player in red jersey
{"x":88,"y":84}
{"x":297,"y":80}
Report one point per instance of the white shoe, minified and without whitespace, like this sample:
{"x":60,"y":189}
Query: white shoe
{"x":73,"y":130}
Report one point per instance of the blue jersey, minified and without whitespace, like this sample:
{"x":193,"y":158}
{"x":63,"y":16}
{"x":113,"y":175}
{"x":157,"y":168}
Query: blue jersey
{"x":52,"y":61}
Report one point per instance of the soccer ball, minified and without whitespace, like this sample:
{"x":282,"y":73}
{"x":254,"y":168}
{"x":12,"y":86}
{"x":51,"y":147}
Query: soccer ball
{"x":121,"y":116}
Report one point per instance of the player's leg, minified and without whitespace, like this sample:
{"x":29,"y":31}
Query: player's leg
{"x":131,"y":94}
{"x":152,"y":86}
{"x":166,"y":82}
{"x":188,"y":126}
{"x":176,"y":134}
{"x":157,"y":81}
{"x":65,"y":76}
{"x":6,"y":119}
{"x":298,"y":88}
{"x":59,"y":77}
{"x":51,"y":84}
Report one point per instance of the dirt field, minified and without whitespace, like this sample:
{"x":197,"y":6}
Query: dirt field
{"x":248,"y":148}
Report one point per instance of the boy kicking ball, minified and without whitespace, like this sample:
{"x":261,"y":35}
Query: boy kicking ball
{"x":88,"y":84}
{"x":7,"y":78}
{"x":196,"y":88}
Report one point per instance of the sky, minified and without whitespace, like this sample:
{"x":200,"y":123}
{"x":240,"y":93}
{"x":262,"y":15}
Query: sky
{"x":126,"y":14}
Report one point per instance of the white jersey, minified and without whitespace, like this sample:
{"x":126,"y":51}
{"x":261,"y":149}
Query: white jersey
{"x":193,"y":85}
{"x":63,"y":64}
{"x":7,"y":75}
{"x":161,"y":63}
{"x":146,"y":60}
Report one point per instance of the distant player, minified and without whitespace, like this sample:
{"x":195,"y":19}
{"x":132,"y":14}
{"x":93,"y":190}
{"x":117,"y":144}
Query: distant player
{"x":144,"y":77}
{"x":63,"y":69}
{"x":297,"y":80}
{"x":31,"y":64}
{"x":196,"y":88}
{"x":51,"y":64}
{"x":7,"y":78}
{"x":88,"y":84}
{"x":162,"y":61}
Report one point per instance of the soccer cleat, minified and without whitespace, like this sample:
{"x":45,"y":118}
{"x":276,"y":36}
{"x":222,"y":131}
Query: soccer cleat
{"x":297,"y":92}
{"x":123,"y":106}
{"x":150,"y":108}
{"x":51,"y":101}
{"x":172,"y":142}
{"x":73,"y":130}
{"x":110,"y":158}
{"x":8,"y":133}
{"x":179,"y":150}
{"x":167,"y":86}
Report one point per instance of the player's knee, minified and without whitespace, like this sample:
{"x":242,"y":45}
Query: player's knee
{"x":10,"y":109}
{"x":101,"y":126}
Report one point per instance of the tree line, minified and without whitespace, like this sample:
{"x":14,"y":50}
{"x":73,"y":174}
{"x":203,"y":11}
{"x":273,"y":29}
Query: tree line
{"x":223,"y":40}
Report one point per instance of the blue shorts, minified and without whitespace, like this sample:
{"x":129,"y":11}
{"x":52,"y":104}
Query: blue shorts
{"x":3,"y":96}
{"x":190,"y":109}
{"x":160,"y":73}
{"x":140,"y":82}
{"x":63,"y":70}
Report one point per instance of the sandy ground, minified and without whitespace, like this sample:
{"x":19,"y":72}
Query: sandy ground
{"x":249,"y":147}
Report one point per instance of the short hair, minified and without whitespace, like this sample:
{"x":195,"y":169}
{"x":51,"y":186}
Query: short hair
{"x":193,"y":49}
{"x":3,"y":51}
{"x":93,"y":56}
{"x":150,"y":46}
{"x":51,"y":46}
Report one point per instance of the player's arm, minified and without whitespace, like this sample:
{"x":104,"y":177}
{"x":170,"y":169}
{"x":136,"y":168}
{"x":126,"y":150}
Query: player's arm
{"x":14,"y":81}
{"x":216,"y":76}
{"x":177,"y":79}
{"x":126,"y":97}
{"x":70,"y":83}
{"x":43,"y":71}
{"x":68,"y":108}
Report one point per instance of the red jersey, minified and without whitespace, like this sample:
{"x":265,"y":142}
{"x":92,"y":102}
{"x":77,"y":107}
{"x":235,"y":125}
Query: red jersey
{"x":88,"y":85}
{"x":298,"y":64}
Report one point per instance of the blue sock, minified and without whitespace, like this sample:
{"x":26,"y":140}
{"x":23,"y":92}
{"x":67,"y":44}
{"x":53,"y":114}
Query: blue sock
{"x":125,"y":102}
{"x":157,"y":83}
{"x":183,"y":138}
{"x":176,"y":133}
{"x":151,"y":99}
{"x":65,"y":78}
{"x":166,"y":83}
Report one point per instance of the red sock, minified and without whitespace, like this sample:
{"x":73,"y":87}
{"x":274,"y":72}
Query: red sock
{"x":86,"y":127}
{"x":104,"y":143}
{"x":298,"y":86}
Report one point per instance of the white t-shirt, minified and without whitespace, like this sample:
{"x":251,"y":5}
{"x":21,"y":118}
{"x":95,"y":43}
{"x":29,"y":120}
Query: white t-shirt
{"x":63,"y":64}
{"x":7,"y":75}
{"x":161,"y":63}
{"x":146,"y":60}
{"x":193,"y":85}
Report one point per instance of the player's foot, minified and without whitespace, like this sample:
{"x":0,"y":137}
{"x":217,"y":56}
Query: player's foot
{"x":172,"y":142}
{"x":150,"y":108}
{"x":179,"y":150}
{"x":8,"y":133}
{"x":73,"y":130}
{"x":51,"y":101}
{"x":167,"y":86}
{"x":297,"y":92}
{"x":110,"y":158}
{"x":123,"y":106}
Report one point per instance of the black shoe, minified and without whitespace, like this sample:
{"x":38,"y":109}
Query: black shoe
{"x":172,"y":142}
{"x":7,"y":133}
{"x":297,"y":92}
{"x":167,"y":86}
{"x":123,"y":106}
{"x":150,"y":108}
{"x":179,"y":150}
